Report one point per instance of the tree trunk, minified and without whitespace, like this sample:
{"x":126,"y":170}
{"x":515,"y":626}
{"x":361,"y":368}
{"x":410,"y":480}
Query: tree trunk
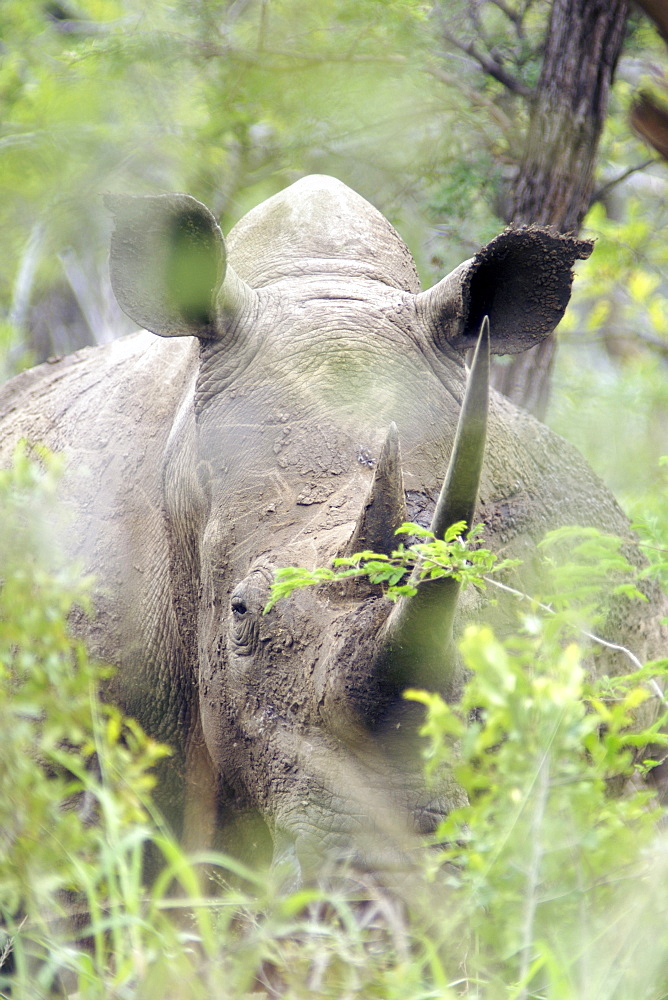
{"x":554,"y":182}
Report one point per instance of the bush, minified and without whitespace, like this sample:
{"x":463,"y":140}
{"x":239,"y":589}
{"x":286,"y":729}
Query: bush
{"x":544,"y":863}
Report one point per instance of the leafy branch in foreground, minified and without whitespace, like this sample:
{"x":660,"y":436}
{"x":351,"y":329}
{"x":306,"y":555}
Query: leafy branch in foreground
{"x":547,"y":871}
{"x":595,"y":565}
{"x":74,"y":775}
{"x":458,"y":554}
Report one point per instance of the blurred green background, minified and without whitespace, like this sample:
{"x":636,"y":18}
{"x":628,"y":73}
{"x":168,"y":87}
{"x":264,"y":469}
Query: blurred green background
{"x":231,"y":100}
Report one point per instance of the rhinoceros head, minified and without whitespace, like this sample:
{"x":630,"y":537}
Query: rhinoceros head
{"x":321,"y":413}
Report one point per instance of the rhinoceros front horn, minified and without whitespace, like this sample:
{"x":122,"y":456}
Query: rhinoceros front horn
{"x":416,"y":648}
{"x":384,"y":508}
{"x":169,"y":269}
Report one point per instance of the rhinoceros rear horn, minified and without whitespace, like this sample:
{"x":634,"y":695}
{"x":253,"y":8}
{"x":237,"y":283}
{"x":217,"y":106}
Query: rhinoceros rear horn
{"x":168,"y":267}
{"x":521,"y":280}
{"x":384,"y":508}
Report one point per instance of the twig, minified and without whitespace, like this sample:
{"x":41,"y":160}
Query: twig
{"x":512,"y":15}
{"x":654,"y":548}
{"x":474,"y":96}
{"x":658,"y":345}
{"x":603,"y":190}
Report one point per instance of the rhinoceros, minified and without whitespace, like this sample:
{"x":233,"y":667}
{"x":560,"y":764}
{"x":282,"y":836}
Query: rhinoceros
{"x":300,"y":401}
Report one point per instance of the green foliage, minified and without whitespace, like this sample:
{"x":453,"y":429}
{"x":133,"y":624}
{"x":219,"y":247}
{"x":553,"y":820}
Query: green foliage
{"x":73,"y":773}
{"x":75,"y":809}
{"x":544,"y":866}
{"x":581,"y":569}
{"x":610,"y":393}
{"x":542,"y":863}
{"x":453,"y":555}
{"x":233,"y":101}
{"x":227,"y":103}
{"x":620,"y":295}
{"x":584,"y":569}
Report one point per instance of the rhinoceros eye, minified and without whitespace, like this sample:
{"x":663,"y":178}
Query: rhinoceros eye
{"x":239,"y":607}
{"x":244,"y":624}
{"x":251,"y":594}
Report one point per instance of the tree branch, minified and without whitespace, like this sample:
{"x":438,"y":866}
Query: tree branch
{"x":512,"y":15}
{"x":476,"y":98}
{"x":655,"y":343}
{"x":489,"y":65}
{"x":603,"y":190}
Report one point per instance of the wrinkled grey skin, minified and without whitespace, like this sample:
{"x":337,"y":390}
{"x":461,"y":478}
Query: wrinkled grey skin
{"x":245,"y":437}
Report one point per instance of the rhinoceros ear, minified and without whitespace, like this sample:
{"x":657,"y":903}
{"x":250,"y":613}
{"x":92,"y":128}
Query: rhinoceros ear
{"x":521,"y":280}
{"x":168,"y":266}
